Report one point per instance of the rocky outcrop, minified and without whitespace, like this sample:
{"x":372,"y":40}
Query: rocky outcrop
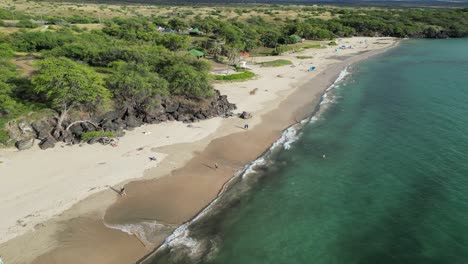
{"x":185,"y":110}
{"x":245,"y":115}
{"x":43,"y":128}
{"x":169,"y":109}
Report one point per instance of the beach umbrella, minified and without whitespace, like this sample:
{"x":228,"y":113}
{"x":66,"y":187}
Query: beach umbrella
{"x":311,"y":68}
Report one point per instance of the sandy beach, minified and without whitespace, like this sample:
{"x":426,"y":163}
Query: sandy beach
{"x":59,"y":203}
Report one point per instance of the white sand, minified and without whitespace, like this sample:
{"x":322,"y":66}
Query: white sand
{"x":36,"y":185}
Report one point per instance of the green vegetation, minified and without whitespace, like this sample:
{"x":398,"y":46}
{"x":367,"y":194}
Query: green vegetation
{"x":304,"y":57}
{"x":276,"y":63}
{"x":135,"y":84}
{"x":4,"y":137}
{"x":235,"y":77}
{"x":97,"y":134}
{"x":91,"y":63}
{"x":67,"y":85}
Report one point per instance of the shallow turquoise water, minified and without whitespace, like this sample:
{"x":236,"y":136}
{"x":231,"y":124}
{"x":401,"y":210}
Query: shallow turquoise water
{"x":393,"y":187}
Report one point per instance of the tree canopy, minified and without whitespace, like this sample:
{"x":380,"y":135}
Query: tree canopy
{"x":67,"y":85}
{"x":135,"y":85}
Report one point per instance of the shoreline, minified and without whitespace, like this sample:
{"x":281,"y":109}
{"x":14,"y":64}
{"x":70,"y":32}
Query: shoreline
{"x":181,"y":235}
{"x":169,"y":209}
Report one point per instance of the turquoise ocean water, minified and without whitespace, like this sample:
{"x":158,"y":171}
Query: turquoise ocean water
{"x":392,"y":188}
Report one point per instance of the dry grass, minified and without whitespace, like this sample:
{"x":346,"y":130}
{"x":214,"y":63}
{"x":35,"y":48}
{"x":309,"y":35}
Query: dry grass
{"x":90,"y":26}
{"x":9,"y":30}
{"x":243,"y":12}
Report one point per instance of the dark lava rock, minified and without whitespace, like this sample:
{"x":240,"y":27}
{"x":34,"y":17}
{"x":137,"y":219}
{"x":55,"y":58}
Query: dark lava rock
{"x":24,"y":144}
{"x":42,"y":129}
{"x":47,"y":143}
{"x":245,"y":115}
{"x":132,"y":121}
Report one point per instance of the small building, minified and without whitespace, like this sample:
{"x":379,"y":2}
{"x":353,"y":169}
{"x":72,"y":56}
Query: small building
{"x":196,"y":53}
{"x":168,"y":30}
{"x":195,"y":32}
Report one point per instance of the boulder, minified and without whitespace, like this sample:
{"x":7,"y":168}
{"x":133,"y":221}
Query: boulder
{"x":93,"y":141}
{"x":245,"y":115}
{"x":67,"y":137}
{"x":26,"y":128}
{"x":77,"y":130}
{"x":162,"y":118}
{"x":42,"y":129}
{"x":109,"y":125}
{"x":24,"y":144}
{"x":200,"y":116}
{"x":47,"y":143}
{"x":110,"y":116}
{"x":87,"y":127}
{"x":132,"y":121}
{"x":184,"y":117}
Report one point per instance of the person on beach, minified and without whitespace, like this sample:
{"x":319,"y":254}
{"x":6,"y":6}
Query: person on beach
{"x":153,"y":158}
{"x":246,"y":126}
{"x":216,"y":165}
{"x":1,"y":261}
{"x":122,"y":193}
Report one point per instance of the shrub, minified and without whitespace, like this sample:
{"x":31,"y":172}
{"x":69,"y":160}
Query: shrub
{"x":97,"y":134}
{"x":332,"y":43}
{"x":26,"y":23}
{"x":279,"y":50}
{"x":4,"y":137}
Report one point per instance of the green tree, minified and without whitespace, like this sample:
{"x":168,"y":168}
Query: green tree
{"x":68,"y":85}
{"x":6,"y":51}
{"x":187,"y":81}
{"x":177,"y":24}
{"x":173,"y":42}
{"x":136,"y":86}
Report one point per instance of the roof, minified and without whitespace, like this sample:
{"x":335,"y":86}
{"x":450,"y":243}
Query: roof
{"x":195,"y":30}
{"x":196,"y":53}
